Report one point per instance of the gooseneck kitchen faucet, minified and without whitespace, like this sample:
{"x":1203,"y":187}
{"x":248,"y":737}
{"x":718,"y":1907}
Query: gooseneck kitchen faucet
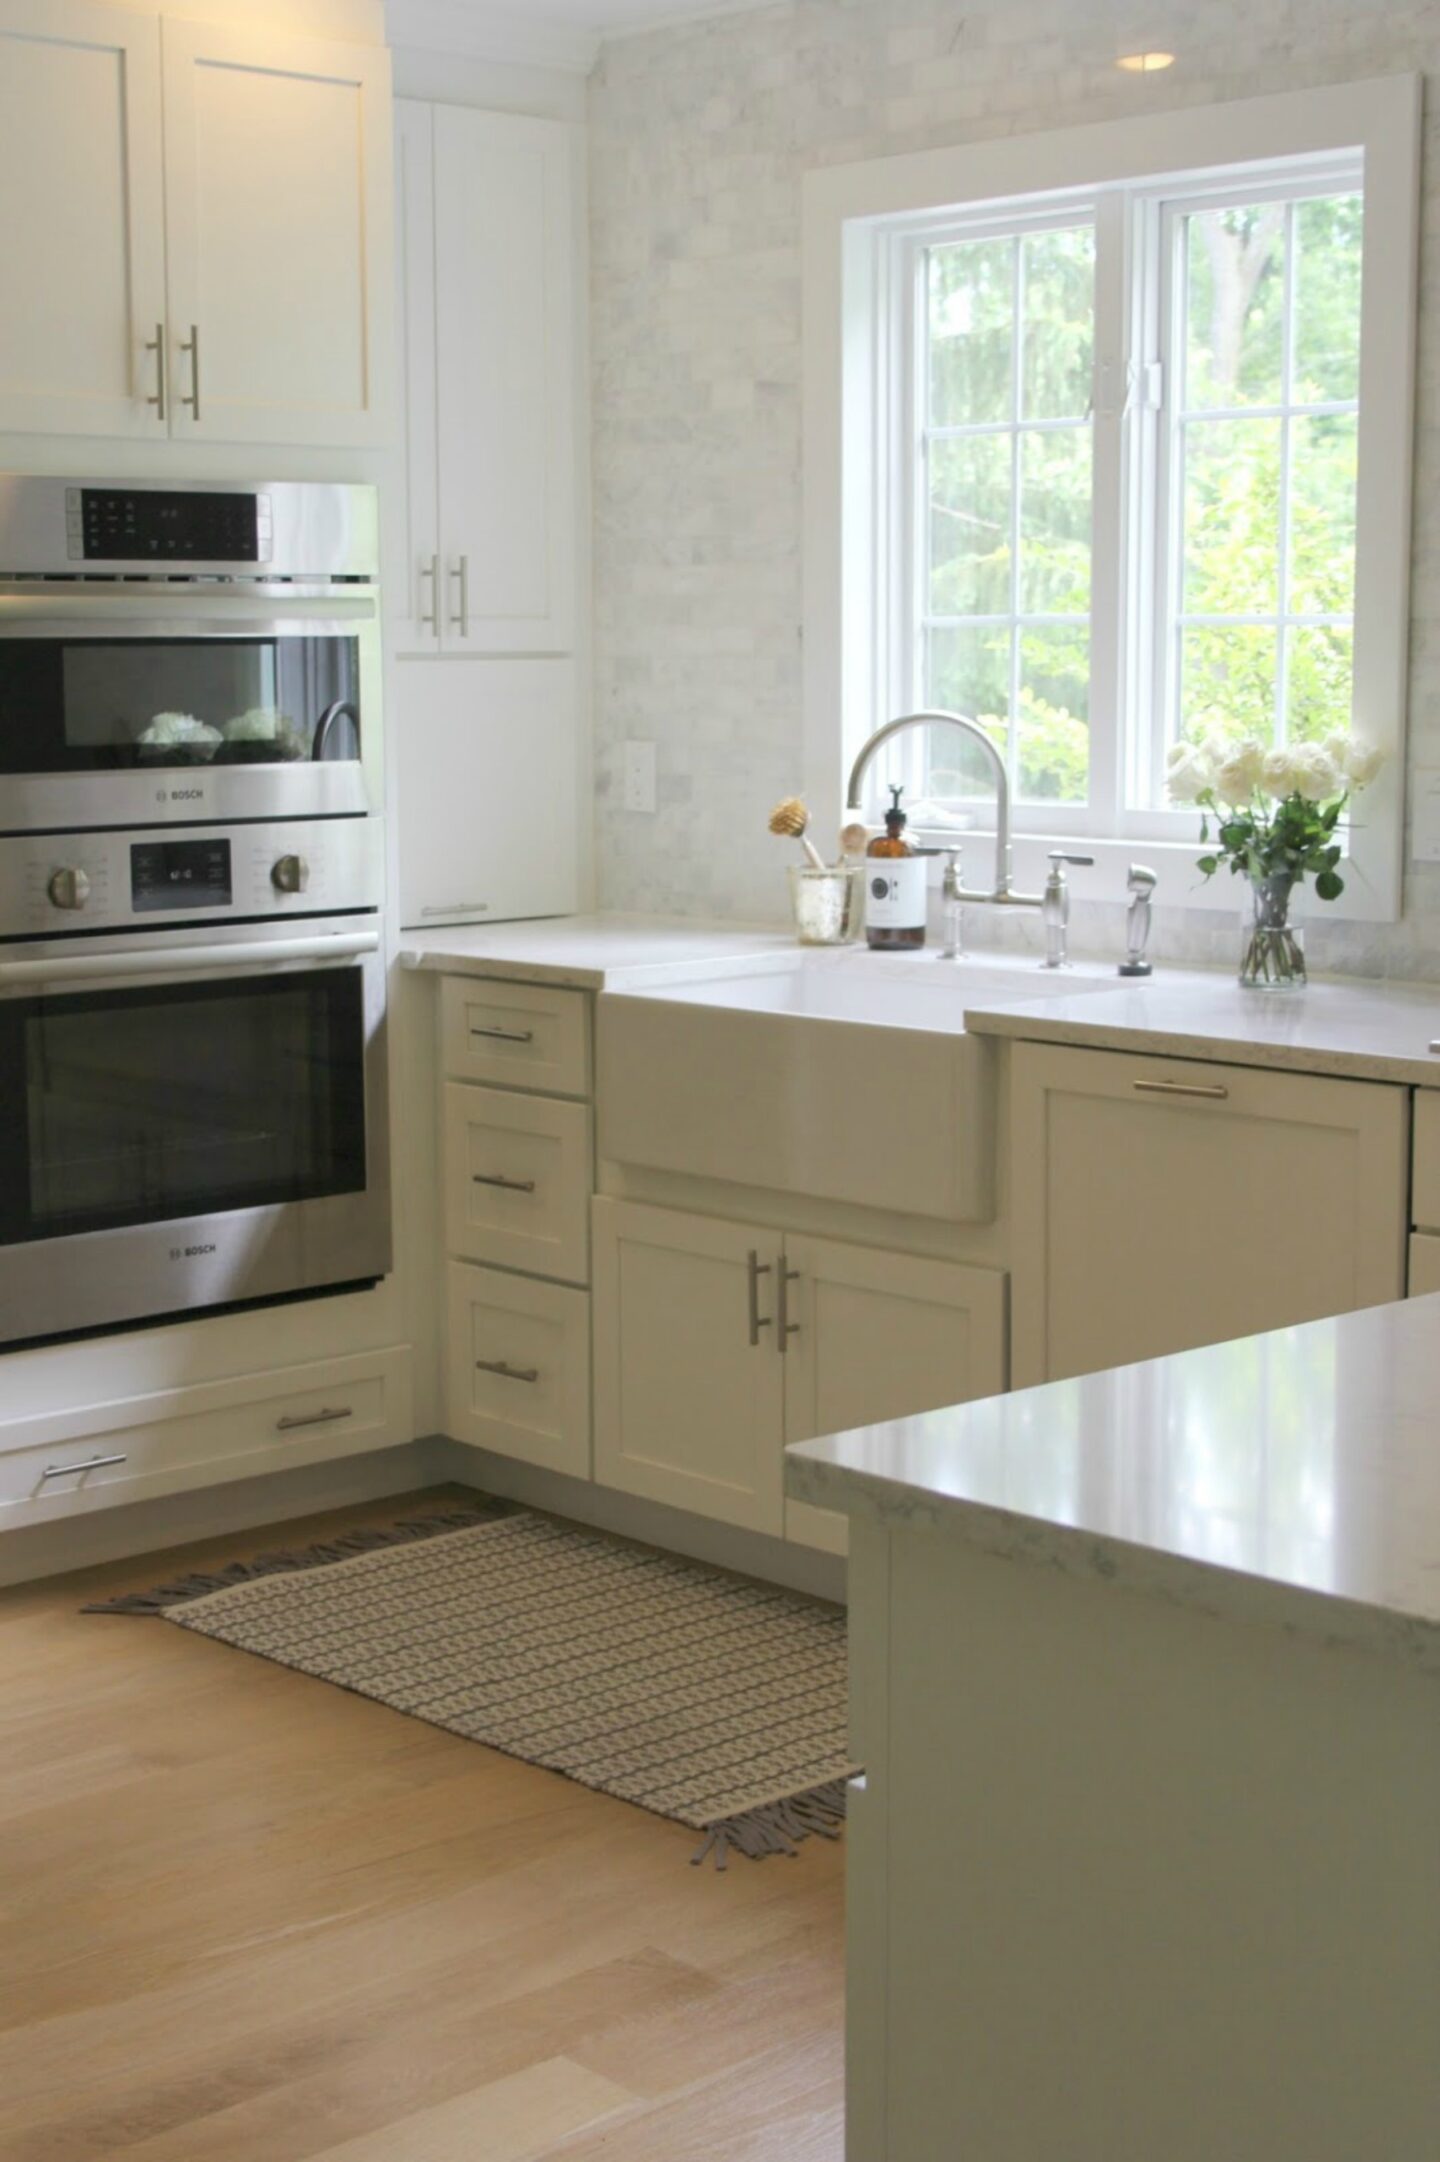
{"x":1002,"y":895}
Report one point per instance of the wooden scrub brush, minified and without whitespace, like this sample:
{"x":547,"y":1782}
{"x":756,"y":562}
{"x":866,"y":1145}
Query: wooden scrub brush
{"x":790,"y":819}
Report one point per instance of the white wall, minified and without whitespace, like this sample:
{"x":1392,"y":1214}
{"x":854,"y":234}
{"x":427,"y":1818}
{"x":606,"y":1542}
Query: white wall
{"x":700,"y":135}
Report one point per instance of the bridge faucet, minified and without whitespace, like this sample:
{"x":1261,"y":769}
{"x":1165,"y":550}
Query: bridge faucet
{"x":1003,"y":896}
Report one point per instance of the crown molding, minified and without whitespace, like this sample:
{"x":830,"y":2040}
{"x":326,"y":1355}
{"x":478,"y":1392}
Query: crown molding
{"x":478,"y":30}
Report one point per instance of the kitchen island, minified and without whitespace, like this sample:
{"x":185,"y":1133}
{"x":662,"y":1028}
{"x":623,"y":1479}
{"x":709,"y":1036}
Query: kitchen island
{"x":1146,"y":1680}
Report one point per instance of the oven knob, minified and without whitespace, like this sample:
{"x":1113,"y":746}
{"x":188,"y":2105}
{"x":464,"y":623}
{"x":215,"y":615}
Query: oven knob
{"x":69,"y":888}
{"x":290,"y":874}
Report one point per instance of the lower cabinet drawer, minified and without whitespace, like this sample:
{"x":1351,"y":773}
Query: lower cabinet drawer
{"x":1424,"y":1263}
{"x":520,"y":1035}
{"x":517,"y":1181}
{"x":184,"y":1438}
{"x":517,"y":1368}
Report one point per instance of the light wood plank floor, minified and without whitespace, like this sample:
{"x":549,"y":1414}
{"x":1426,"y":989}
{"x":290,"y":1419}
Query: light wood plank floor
{"x":245,"y":1917}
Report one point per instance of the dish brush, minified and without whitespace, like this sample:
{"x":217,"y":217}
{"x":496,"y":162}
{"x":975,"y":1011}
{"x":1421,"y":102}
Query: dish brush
{"x":854,"y":840}
{"x":789,"y":819}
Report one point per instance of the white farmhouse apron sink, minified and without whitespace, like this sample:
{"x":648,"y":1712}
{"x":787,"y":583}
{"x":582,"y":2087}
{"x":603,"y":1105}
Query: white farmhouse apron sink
{"x":847,"y":1076}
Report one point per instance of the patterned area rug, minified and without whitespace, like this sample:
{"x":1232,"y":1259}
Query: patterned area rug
{"x":703,"y":1697}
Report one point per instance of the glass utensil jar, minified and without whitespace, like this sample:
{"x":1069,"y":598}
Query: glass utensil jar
{"x":825,"y":904}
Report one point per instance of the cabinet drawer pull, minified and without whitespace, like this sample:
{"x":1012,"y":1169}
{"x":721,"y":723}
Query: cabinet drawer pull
{"x":459,"y":908}
{"x":506,"y":1371}
{"x":327,"y":1417}
{"x":756,"y":1268}
{"x":70,"y":1471}
{"x":156,"y":345}
{"x":506,"y":1035}
{"x":788,"y":1328}
{"x":511,"y":1186}
{"x":191,"y":345}
{"x":1212,"y":1091}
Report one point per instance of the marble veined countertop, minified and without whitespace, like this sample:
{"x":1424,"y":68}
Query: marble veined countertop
{"x":1344,"y":1025}
{"x":1347,"y":1026}
{"x":591,"y":953}
{"x":1290,"y":1479}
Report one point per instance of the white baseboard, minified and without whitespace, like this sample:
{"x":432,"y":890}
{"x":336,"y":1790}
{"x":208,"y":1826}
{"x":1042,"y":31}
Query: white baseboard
{"x":210,"y":1512}
{"x":752,"y":1553}
{"x":149,"y":1527}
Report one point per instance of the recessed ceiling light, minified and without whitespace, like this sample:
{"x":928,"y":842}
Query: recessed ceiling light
{"x":1145,"y":63}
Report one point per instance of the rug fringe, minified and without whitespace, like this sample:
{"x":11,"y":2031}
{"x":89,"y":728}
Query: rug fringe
{"x":776,"y":1827}
{"x":366,"y":1539}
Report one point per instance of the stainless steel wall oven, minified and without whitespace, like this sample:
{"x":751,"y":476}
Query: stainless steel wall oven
{"x":192,"y":976}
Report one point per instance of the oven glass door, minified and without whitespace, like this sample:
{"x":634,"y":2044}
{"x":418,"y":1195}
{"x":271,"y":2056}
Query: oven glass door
{"x":138,"y":1105}
{"x":97,"y":704}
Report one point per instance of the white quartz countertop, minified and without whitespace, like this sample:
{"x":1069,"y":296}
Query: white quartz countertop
{"x":1290,"y":1479}
{"x":1336,"y":1025}
{"x":1346,"y":1026}
{"x":590,"y":953}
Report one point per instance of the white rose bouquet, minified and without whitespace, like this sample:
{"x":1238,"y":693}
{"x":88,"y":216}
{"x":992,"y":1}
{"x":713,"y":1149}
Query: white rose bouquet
{"x":1274,"y":812}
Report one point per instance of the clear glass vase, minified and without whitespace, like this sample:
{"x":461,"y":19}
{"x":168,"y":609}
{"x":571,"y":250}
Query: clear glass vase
{"x":1272,"y":948}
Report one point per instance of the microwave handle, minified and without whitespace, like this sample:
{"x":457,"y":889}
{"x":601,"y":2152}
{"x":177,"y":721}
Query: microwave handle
{"x":190,"y":960}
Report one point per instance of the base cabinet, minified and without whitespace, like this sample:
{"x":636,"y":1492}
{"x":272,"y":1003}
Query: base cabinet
{"x":718,"y":1343}
{"x":1160,"y":1204}
{"x":518,"y":1368}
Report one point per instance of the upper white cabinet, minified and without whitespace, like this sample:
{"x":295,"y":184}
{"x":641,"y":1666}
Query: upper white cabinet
{"x":1162,"y":1203}
{"x":223,"y":274}
{"x":489,"y":323}
{"x":82,"y":241}
{"x":277,"y":226}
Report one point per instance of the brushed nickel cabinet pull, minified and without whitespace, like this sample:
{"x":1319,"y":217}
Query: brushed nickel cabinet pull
{"x":459,"y":908}
{"x":1212,"y":1091}
{"x":511,"y":1186}
{"x":506,"y":1035}
{"x":756,"y":1268}
{"x":70,"y":1471}
{"x":461,"y":574}
{"x":506,"y":1371}
{"x":430,"y":570}
{"x":156,"y":345}
{"x":191,"y":345}
{"x":313,"y":1418}
{"x":788,"y":1328}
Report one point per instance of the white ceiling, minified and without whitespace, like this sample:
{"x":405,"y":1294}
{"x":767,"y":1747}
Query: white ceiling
{"x":609,"y":17}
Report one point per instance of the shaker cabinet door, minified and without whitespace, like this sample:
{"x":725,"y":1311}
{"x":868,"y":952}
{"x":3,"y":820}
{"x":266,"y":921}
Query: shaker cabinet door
{"x":505,"y":381}
{"x":414,"y":567}
{"x":278,"y":231}
{"x":875,"y":1336}
{"x":82,"y":253}
{"x":688,"y":1383}
{"x":1160,"y":1204}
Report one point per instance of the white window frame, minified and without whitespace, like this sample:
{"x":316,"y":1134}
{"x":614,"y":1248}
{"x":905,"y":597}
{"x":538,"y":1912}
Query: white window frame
{"x":857,"y":221}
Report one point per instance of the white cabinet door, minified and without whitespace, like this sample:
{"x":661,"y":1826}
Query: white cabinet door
{"x":486,"y":789}
{"x":415,"y":582}
{"x":1163,"y":1203}
{"x":505,"y":381}
{"x":688,"y":1381}
{"x":278,"y":232}
{"x":82,"y":258}
{"x":876,"y":1336}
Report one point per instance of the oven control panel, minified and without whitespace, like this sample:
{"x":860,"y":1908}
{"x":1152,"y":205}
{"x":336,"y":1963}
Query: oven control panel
{"x":166,"y":525}
{"x":167,"y":875}
{"x":64,"y":884}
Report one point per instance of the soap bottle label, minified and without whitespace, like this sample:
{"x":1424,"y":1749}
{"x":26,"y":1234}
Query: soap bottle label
{"x":895,"y":893}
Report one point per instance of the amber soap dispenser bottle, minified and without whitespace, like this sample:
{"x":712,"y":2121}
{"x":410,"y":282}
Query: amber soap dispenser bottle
{"x":894,"y":886}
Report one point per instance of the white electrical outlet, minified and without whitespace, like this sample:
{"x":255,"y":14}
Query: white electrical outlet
{"x":1425,"y":815}
{"x":639,"y":776}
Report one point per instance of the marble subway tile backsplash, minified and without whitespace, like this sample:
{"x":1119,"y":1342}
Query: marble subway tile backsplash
{"x":700,"y":136}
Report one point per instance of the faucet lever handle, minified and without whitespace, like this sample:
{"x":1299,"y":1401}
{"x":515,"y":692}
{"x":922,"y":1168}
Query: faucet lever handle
{"x":1058,"y":856}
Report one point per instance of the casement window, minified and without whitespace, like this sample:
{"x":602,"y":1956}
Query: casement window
{"x":1123,"y":460}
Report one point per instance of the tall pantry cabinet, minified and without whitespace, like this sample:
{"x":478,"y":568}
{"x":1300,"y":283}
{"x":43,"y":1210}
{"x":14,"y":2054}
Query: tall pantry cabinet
{"x":486,"y":576}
